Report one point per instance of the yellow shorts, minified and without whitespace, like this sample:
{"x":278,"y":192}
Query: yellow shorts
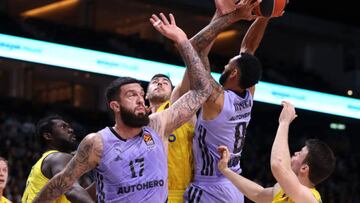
{"x":176,"y":196}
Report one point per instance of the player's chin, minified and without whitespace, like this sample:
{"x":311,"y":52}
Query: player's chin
{"x":140,"y":113}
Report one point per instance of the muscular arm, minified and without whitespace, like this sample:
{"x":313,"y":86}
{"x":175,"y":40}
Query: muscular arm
{"x":56,"y":163}
{"x":252,"y":39}
{"x":197,"y":42}
{"x":183,"y":109}
{"x":202,"y":43}
{"x":254,"y":36}
{"x":85,"y":159}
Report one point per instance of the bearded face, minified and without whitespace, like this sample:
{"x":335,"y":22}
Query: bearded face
{"x":132,"y":119}
{"x":224,"y":76}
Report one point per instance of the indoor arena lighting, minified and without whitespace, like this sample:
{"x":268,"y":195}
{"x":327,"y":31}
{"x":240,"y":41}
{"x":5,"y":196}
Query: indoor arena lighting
{"x":117,"y":65}
{"x":49,"y":8}
{"x":226,"y":35}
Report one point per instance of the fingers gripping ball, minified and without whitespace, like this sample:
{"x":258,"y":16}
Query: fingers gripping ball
{"x":270,"y":8}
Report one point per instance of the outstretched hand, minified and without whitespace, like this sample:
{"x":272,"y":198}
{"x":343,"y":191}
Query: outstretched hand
{"x":288,"y":113}
{"x":225,"y":157}
{"x":244,"y":9}
{"x":168,"y":29}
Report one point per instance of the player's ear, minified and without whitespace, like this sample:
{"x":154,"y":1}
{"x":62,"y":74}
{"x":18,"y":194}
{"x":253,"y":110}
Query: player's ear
{"x":115,"y":106}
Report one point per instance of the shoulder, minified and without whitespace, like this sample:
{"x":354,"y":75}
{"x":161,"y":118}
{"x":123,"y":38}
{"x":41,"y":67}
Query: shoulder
{"x":93,"y":141}
{"x":57,"y":158}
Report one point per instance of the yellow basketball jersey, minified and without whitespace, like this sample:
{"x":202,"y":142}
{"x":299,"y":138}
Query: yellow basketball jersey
{"x":180,"y":159}
{"x":4,"y":200}
{"x":36,"y":181}
{"x":281,"y":197}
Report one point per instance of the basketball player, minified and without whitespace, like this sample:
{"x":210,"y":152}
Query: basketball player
{"x":60,"y":141}
{"x":225,"y":115}
{"x":160,"y":95}
{"x":130,"y":158}
{"x":4,"y":173}
{"x":297,"y":176}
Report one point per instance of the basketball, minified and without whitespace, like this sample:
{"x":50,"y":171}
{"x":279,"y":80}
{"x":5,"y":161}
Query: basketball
{"x":268,"y":8}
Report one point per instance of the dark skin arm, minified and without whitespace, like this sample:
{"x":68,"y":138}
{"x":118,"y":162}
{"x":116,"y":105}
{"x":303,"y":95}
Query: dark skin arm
{"x":91,"y":189}
{"x":53,"y":164}
{"x":86,"y":158}
{"x":202,"y":43}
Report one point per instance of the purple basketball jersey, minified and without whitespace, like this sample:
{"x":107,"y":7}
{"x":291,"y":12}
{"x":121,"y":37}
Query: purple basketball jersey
{"x":228,"y":129}
{"x":132,"y":170}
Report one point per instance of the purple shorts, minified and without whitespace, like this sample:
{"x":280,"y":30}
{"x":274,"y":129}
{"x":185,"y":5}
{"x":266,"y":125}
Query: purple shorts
{"x":212,"y":190}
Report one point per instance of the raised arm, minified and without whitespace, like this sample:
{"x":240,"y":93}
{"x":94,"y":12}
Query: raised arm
{"x":250,"y":189}
{"x":254,"y":35}
{"x":76,"y":194}
{"x":86,"y":158}
{"x":203,"y":41}
{"x":252,"y":39}
{"x":280,"y":160}
{"x":182,"y":110}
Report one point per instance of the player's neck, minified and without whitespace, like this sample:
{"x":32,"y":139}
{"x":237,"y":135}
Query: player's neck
{"x":125,"y":131}
{"x":154,"y":105}
{"x":1,"y":193}
{"x":306,"y":182}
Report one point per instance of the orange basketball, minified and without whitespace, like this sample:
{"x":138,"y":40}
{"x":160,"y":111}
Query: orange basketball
{"x":269,"y":8}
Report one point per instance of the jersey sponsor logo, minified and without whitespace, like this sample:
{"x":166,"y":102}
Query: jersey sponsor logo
{"x":141,"y":186}
{"x":172,"y":138}
{"x":240,"y":116}
{"x":149,"y":141}
{"x":242,"y":105}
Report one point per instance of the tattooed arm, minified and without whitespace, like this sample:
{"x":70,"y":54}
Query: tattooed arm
{"x":86,"y":158}
{"x":183,"y":109}
{"x":54,"y":164}
{"x":202,"y":43}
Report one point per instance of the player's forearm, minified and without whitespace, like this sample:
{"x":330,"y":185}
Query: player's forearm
{"x":200,"y":89}
{"x":199,"y":78}
{"x":249,"y":188}
{"x":203,"y":39}
{"x":77,"y":194}
{"x":57,"y":186}
{"x":280,"y":154}
{"x":253,"y":36}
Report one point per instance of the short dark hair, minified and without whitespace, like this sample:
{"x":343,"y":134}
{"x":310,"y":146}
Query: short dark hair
{"x":113,"y":90}
{"x":4,"y":160}
{"x":45,"y":125}
{"x":250,"y":70}
{"x":321,"y":160}
{"x":159,"y":75}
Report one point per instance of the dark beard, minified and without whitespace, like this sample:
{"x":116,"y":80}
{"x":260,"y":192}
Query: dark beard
{"x":224,"y":77}
{"x":132,"y":120}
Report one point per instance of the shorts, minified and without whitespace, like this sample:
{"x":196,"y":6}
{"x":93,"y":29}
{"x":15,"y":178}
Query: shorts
{"x":213,"y":191}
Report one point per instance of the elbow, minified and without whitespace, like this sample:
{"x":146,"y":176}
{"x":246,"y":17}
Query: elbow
{"x":247,"y":50}
{"x":276,"y":165}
